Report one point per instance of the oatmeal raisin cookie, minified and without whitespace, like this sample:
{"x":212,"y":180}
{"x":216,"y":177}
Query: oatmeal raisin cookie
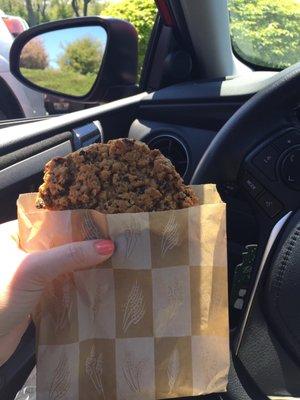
{"x":121,"y":176}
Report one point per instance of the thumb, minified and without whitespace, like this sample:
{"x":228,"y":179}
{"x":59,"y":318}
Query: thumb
{"x":48,"y":264}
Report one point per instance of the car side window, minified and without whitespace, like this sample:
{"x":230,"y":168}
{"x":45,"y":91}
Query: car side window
{"x":16,"y":17}
{"x":266,"y":33}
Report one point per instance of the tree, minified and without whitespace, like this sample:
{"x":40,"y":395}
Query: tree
{"x":83,"y":56}
{"x":14,"y":7}
{"x":38,"y":11}
{"x":88,"y":7}
{"x":75,"y":6}
{"x":32,"y":20}
{"x":60,"y":9}
{"x":266,"y":32}
{"x":34,"y":55}
{"x":42,"y":10}
{"x":96,"y":7}
{"x":141,"y":13}
{"x":85,"y":7}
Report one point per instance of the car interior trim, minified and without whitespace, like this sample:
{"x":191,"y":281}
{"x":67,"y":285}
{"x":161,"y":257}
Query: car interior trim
{"x":208,"y":25}
{"x":168,"y":135}
{"x":87,"y":134}
{"x":32,"y":165}
{"x":272,"y":238}
{"x":22,"y":153}
{"x":35,"y":130}
{"x":229,"y":88}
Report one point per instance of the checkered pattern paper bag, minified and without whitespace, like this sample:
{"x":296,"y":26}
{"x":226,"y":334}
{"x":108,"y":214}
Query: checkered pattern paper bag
{"x":150,"y":324}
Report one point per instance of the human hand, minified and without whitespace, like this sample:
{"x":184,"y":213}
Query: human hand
{"x":23,"y":277}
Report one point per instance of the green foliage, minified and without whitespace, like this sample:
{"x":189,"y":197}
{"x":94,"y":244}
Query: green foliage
{"x":141,"y":13}
{"x":266,"y":32}
{"x":38,"y":11}
{"x":96,"y":7}
{"x":14,"y":7}
{"x":83,"y":56}
{"x":67,"y":82}
{"x":60,"y":9}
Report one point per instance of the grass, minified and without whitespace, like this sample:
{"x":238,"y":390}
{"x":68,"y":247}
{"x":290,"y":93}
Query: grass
{"x":68,"y":82}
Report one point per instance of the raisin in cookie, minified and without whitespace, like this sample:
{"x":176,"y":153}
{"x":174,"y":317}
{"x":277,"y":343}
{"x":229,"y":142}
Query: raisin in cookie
{"x":121,"y":176}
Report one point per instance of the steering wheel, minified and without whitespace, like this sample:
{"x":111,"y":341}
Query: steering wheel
{"x":259,"y":150}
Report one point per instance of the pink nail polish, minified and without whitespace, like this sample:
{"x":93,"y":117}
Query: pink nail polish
{"x":104,"y":247}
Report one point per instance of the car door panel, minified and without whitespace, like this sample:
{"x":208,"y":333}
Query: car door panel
{"x":35,"y":148}
{"x":25,"y":174}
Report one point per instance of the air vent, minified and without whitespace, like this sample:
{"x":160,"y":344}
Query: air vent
{"x":173,"y":149}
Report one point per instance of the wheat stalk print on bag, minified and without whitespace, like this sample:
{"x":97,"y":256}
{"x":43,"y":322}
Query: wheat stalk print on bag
{"x":175,"y":296}
{"x":170,"y":237}
{"x":173,"y":369}
{"x":94,"y":370}
{"x":60,"y":297}
{"x":131,"y":236}
{"x":132,"y":371}
{"x":61,"y":380}
{"x":66,"y":308}
{"x":135,"y":308}
{"x":96,"y":303}
{"x":143,"y":310}
{"x":92,"y":299}
{"x":89,"y":228}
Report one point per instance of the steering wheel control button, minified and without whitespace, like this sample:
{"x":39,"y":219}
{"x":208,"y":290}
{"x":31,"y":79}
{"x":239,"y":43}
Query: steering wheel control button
{"x":287,"y":140}
{"x":290,"y":168}
{"x":253,"y":187}
{"x":269,"y":204}
{"x":266,"y":161}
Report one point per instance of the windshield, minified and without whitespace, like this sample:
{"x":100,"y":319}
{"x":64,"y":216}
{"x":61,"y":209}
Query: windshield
{"x":266,"y":32}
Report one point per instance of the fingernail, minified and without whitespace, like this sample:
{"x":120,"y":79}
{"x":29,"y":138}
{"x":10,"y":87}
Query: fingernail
{"x":104,"y":247}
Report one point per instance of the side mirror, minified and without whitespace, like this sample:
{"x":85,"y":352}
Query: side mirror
{"x":83,"y":59}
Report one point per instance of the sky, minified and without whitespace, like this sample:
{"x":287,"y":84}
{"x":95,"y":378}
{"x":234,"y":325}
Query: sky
{"x":56,"y":40}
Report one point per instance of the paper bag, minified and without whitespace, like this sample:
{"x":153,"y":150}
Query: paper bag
{"x":152,"y":323}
